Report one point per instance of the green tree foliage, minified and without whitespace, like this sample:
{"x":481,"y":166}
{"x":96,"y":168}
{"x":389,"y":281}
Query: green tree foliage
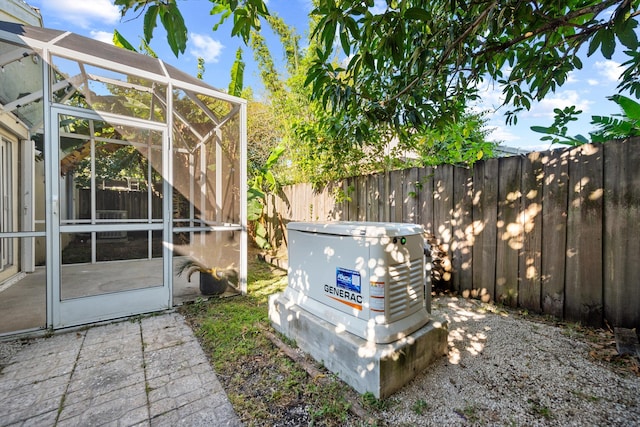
{"x":246,"y":16}
{"x":618,"y":126}
{"x":414,"y":62}
{"x":262,"y":135}
{"x":325,"y":151}
{"x":318,"y":152}
{"x":417,"y":62}
{"x":170,"y":17}
{"x":237,"y":75}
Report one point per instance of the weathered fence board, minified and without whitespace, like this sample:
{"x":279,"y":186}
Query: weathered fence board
{"x":554,"y":236}
{"x":374,"y":197}
{"x":300,"y":203}
{"x":462,"y":230}
{"x":395,"y":196}
{"x":425,"y":198}
{"x":309,"y":205}
{"x":485,"y":218}
{"x":529,"y":263}
{"x":135,"y":203}
{"x":509,"y":237}
{"x":409,"y":192}
{"x":555,"y":232}
{"x":443,"y":205}
{"x":583,"y":279}
{"x":382,"y":202}
{"x":622,"y":234}
{"x":363,"y":202}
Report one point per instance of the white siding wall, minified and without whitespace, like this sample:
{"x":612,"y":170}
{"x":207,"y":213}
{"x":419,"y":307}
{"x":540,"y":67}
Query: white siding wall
{"x":19,"y":11}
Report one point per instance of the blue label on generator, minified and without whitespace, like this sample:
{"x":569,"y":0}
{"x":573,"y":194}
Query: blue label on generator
{"x":348,"y":279}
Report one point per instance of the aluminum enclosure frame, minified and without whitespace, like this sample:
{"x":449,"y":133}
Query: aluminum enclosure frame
{"x":220,"y":118}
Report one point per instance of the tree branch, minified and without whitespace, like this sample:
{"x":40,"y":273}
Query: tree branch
{"x":445,"y":54}
{"x":563,"y":21}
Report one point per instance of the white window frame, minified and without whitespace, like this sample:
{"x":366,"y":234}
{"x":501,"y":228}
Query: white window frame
{"x":7,"y":203}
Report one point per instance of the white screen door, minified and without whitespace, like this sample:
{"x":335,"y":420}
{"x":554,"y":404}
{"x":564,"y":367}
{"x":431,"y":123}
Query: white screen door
{"x":110,"y":209}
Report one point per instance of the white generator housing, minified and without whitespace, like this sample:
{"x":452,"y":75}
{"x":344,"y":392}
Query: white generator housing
{"x":355,"y":302}
{"x":367,"y":278}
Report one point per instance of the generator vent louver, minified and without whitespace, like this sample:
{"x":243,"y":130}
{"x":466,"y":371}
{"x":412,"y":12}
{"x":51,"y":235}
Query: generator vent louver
{"x":405,"y":288}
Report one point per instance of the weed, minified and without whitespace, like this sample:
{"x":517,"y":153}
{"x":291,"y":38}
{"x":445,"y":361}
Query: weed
{"x":585,"y":396}
{"x":371,"y":402}
{"x":545,"y":412}
{"x":288,"y":341}
{"x":540,"y":409}
{"x":61,"y":406}
{"x":469,"y":413}
{"x":330,"y":403}
{"x":572,"y":330}
{"x":135,"y":319}
{"x":420,"y":406}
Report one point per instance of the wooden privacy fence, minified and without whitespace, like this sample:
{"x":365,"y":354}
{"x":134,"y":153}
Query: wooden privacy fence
{"x":135,"y":203}
{"x":555,"y":232}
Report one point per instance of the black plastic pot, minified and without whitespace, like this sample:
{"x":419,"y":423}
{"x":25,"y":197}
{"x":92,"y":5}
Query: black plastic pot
{"x":210,"y":285}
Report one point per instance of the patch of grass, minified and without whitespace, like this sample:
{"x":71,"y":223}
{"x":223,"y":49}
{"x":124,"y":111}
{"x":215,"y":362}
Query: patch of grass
{"x":420,"y":406}
{"x":572,"y":330}
{"x":469,"y":413}
{"x":540,"y":409}
{"x":329,"y":403}
{"x":264,"y":386}
{"x":369,"y":401}
{"x":585,"y":396}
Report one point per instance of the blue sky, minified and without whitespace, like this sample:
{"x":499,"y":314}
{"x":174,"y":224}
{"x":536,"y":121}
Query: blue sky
{"x":586,"y":88}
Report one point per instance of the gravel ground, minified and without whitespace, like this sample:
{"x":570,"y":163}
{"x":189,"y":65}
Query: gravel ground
{"x":506,"y":369}
{"x":503,"y":368}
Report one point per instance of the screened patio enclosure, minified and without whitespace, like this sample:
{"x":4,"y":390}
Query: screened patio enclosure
{"x":115,"y":170}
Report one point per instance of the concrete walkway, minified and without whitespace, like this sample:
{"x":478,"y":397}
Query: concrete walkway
{"x":142,"y":372}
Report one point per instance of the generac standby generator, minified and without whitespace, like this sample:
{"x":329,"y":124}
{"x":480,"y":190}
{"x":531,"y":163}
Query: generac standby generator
{"x":365,"y":277}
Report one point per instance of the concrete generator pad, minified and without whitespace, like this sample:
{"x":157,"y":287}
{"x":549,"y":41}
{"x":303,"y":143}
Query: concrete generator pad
{"x":380,"y":369}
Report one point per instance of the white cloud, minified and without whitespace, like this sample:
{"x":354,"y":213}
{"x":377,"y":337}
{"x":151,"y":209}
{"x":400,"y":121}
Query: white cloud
{"x":205,"y":47}
{"x":571,"y":77}
{"x":610,"y":70}
{"x":558,"y":100}
{"x":103,"y":36}
{"x":83,"y":13}
{"x":593,"y":82}
{"x":500,"y":133}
